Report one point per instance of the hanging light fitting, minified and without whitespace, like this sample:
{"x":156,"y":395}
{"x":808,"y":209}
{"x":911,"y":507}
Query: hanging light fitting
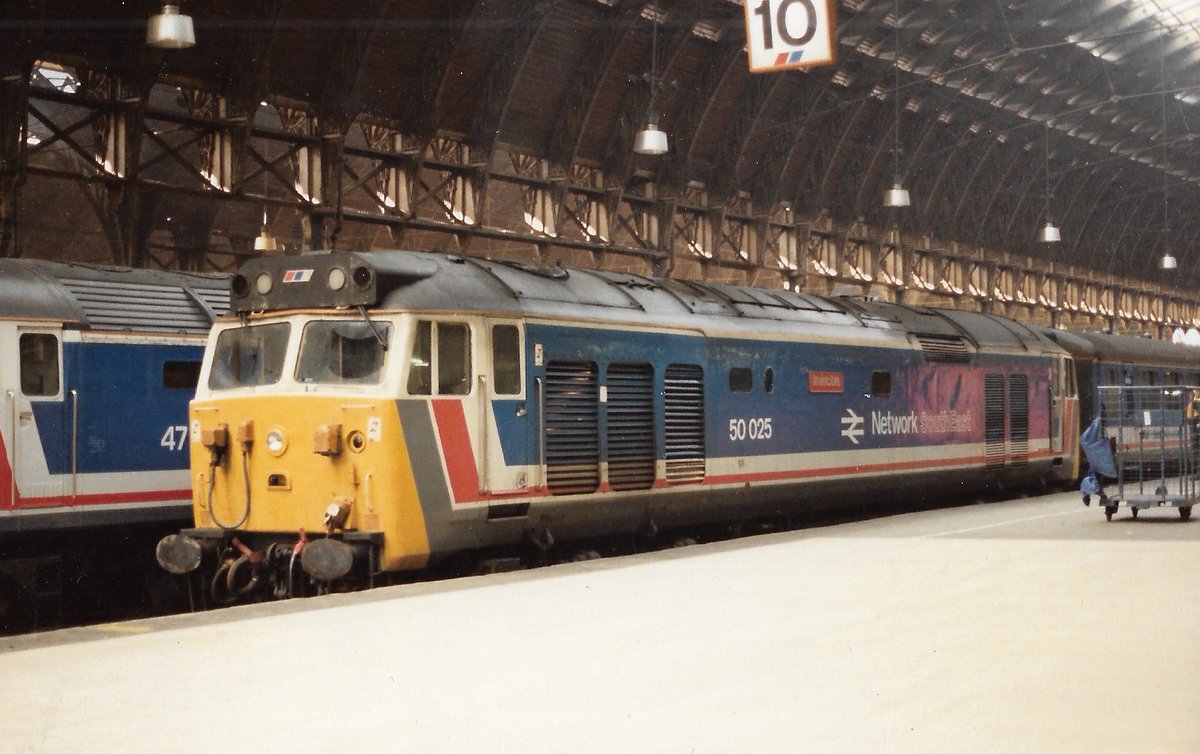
{"x":652,"y":140}
{"x":897,"y":196}
{"x":265,"y":241}
{"x":1168,"y":261}
{"x":1049,"y":233}
{"x":170,"y":29}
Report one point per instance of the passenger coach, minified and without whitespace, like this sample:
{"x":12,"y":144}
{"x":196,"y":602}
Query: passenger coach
{"x":371,"y":413}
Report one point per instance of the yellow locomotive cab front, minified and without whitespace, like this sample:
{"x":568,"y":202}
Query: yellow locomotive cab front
{"x":285,"y":465}
{"x":298,"y":458}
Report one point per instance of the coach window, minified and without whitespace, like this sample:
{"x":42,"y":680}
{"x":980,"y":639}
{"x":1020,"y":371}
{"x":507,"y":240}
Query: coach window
{"x":741,"y":380}
{"x":506,"y":360}
{"x":769,"y":380}
{"x":881,"y":383}
{"x":39,"y":365}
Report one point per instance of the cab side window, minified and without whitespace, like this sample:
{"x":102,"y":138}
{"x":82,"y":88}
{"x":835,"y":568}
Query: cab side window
{"x":506,"y":360}
{"x":453,"y":359}
{"x":441,"y":356}
{"x":420,"y":365}
{"x":39,"y":365}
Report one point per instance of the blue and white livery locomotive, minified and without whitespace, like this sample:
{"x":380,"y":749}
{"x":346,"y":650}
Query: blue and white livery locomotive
{"x":367,"y":414}
{"x":99,"y":366}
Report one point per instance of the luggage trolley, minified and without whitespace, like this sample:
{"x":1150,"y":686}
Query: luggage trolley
{"x":1154,"y":435}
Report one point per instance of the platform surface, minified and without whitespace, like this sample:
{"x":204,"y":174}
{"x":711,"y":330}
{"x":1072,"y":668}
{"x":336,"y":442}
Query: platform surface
{"x":1027,"y":626}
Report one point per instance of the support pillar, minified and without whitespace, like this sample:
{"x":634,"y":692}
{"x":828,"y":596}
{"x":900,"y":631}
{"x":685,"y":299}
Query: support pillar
{"x":14,"y":99}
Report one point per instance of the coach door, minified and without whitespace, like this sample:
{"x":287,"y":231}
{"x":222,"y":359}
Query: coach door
{"x":36,"y":419}
{"x":1059,"y":368}
{"x":504,"y":412}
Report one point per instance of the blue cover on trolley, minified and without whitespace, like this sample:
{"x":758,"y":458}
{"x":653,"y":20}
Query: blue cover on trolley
{"x":1097,"y":449}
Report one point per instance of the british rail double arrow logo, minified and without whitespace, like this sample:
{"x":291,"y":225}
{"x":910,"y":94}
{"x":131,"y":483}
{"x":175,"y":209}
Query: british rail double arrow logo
{"x":853,"y":423}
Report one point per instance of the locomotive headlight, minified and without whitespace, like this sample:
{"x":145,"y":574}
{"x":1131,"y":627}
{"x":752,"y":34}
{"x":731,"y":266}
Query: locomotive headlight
{"x":263,"y":283}
{"x":276,"y":442}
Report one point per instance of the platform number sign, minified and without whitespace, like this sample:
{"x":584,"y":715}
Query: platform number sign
{"x":784,"y":34}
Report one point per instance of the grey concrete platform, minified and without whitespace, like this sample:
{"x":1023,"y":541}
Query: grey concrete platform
{"x":1028,"y":626}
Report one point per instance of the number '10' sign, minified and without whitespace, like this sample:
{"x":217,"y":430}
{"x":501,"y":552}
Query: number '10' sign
{"x":789,"y":34}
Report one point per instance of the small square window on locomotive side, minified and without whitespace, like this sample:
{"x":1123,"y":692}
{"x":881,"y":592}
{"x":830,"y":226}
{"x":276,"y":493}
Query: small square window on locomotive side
{"x":181,"y":375}
{"x":881,"y":383}
{"x":741,"y":380}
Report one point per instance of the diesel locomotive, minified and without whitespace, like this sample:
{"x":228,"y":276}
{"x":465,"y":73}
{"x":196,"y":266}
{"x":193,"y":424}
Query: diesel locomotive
{"x":101,"y":363}
{"x":359,"y":415}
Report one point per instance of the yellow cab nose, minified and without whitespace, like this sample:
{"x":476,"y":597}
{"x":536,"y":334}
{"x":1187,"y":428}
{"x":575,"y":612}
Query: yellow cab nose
{"x":299,"y":455}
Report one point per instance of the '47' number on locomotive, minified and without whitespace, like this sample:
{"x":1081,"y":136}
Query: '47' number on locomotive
{"x":175,"y":438}
{"x":753,"y":429}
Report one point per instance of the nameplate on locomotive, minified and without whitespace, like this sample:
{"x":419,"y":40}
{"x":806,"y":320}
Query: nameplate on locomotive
{"x":826,"y":382}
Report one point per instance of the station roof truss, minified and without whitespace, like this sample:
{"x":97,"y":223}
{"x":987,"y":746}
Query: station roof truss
{"x":505,"y":128}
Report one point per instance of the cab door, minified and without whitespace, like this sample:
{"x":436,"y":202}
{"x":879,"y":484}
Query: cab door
{"x":473,"y":372}
{"x":505,"y":465}
{"x":37,"y":420}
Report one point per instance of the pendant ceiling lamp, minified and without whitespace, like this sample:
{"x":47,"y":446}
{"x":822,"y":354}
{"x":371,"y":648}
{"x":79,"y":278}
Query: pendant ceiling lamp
{"x":897,"y":195}
{"x":265,"y":241}
{"x":1049,"y":232}
{"x":170,"y":29}
{"x":1168,"y":261}
{"x":652,"y":140}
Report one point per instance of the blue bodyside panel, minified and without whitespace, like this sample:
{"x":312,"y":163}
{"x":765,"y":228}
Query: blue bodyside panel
{"x":128,"y":420}
{"x":924,"y":403}
{"x":512,"y":419}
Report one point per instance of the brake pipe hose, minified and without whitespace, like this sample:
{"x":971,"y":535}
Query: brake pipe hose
{"x":212,"y":481}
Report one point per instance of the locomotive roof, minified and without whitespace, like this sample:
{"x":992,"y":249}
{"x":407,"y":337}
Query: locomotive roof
{"x":112,"y":298}
{"x":436,"y":281}
{"x":1126,"y":348}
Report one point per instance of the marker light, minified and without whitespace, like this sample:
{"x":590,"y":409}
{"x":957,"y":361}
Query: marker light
{"x":263,"y":283}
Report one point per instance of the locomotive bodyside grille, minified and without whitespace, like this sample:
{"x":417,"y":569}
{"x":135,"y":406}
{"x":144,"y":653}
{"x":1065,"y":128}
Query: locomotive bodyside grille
{"x":1018,"y":418}
{"x":630,"y":412}
{"x":944,"y":349}
{"x":572,"y":423}
{"x":683,"y":393}
{"x":993,"y":396}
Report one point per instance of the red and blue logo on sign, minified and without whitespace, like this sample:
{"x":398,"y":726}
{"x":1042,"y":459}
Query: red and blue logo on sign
{"x":297,"y":276}
{"x":785,"y":58}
